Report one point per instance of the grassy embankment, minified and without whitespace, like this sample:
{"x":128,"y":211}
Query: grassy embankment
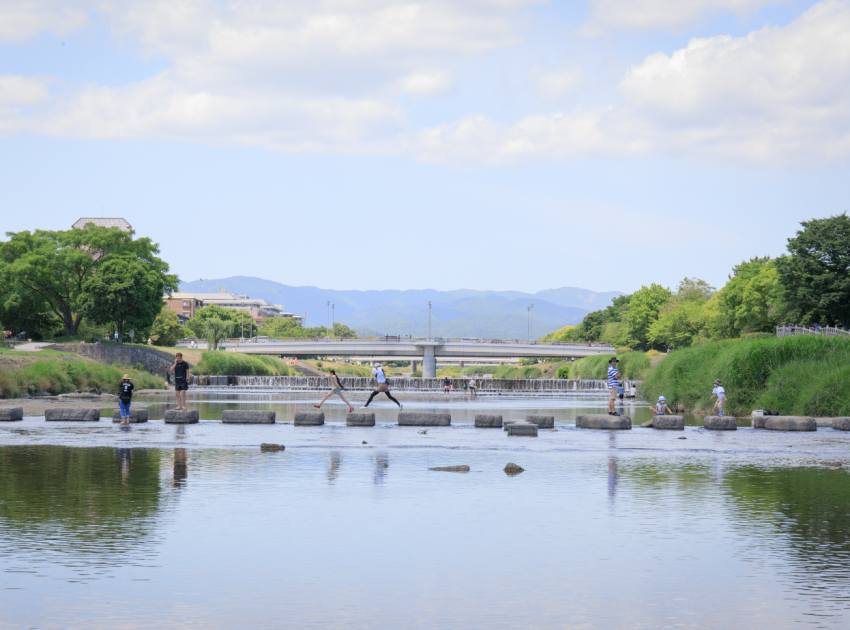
{"x":539,"y":370}
{"x":808,"y":376}
{"x":632,"y":365}
{"x":218,"y":363}
{"x":57,"y":372}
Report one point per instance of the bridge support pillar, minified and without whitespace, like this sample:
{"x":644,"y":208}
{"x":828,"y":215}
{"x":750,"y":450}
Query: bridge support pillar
{"x":460,"y":363}
{"x":413,"y":366}
{"x":429,"y":363}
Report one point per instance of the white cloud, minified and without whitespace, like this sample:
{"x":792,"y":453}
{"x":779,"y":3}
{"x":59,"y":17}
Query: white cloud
{"x":20,"y":21}
{"x":424,"y":83}
{"x":552,"y":85}
{"x":674,"y":15}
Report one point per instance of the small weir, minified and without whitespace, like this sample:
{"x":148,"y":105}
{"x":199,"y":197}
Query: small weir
{"x":431,"y":385}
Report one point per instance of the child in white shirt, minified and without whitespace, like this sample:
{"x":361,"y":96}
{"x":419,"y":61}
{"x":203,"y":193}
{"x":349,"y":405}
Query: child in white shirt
{"x":721,"y":396}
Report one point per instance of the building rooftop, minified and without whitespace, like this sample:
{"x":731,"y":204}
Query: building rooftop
{"x":108,"y":222}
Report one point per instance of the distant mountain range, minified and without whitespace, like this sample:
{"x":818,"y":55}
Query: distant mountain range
{"x":461,"y":313}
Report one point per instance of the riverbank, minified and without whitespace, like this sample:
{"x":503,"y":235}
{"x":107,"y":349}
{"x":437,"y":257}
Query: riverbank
{"x":803,"y":375}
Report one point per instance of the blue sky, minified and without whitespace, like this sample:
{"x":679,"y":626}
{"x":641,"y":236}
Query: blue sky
{"x":485,"y":144}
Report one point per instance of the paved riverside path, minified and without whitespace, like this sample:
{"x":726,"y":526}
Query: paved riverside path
{"x":421,"y":349}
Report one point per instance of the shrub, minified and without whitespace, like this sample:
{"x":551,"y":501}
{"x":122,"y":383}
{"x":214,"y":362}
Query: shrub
{"x":756,"y":335}
{"x":633,"y":366}
{"x":236,"y":364}
{"x":77,"y":375}
{"x":653,"y":353}
{"x":564,"y":371}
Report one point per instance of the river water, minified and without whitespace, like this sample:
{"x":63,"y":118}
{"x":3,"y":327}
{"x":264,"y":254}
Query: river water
{"x":164,"y":526}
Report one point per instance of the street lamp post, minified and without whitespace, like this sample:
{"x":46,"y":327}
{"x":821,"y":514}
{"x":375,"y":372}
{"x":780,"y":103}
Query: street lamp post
{"x":429,"y":320}
{"x":528,"y":323}
{"x":333,"y":316}
{"x":531,"y":321}
{"x":327,"y":334}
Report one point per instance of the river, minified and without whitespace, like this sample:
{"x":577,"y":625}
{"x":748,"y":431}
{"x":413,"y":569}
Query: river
{"x":156,"y":526}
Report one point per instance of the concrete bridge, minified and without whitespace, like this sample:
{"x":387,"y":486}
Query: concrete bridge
{"x":425,"y":350}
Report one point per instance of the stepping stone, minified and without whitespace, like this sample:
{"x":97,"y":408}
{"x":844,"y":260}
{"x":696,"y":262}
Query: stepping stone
{"x":669,"y":423}
{"x":423,"y":419}
{"x":720,"y":423}
{"x":759,"y":421}
{"x":309,"y":418}
{"x":190,"y":416}
{"x":600,"y":421}
{"x":271,"y":448}
{"x":790,"y":423}
{"x":11,"y":414}
{"x":451,"y":468}
{"x":70,"y":414}
{"x":136,"y":416}
{"x":522,"y":429}
{"x":360,"y":419}
{"x":485,"y":421}
{"x":542,"y":422}
{"x":247,"y":416}
{"x":841,"y":424}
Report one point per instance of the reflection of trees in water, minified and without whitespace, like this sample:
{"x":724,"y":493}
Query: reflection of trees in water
{"x":99,"y":501}
{"x":180,"y":467}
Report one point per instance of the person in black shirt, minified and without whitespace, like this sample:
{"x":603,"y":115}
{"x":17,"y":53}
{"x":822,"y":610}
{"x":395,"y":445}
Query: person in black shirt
{"x":447,"y":385}
{"x":125,"y":396}
{"x":181,"y":380}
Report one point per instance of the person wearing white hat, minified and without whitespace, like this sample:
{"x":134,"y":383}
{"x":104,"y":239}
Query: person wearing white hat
{"x":125,"y":397}
{"x":383,"y":386}
{"x":661,"y":408}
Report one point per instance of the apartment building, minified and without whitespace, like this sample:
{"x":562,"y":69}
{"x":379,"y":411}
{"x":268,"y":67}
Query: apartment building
{"x":186,"y":304}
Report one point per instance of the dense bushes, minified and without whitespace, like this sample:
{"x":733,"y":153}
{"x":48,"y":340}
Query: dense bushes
{"x":62,"y":376}
{"x":217,"y":363}
{"x":632,"y":365}
{"x":803,"y":375}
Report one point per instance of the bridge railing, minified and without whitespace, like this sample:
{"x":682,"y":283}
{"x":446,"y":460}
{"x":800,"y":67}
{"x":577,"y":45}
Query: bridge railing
{"x":826,"y":331}
{"x":391,"y":339}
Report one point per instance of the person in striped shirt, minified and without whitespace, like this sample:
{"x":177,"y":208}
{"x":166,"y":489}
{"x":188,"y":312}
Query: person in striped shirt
{"x":613,"y":377}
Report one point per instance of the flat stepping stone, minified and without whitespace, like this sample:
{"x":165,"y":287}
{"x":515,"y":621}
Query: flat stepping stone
{"x":271,"y":448}
{"x":309,"y":418}
{"x":542,"y":422}
{"x":189,"y":416}
{"x":841,"y":424}
{"x":136,"y":416}
{"x":488,"y":421}
{"x":523,"y":429}
{"x":423,"y":419}
{"x":360,"y":419}
{"x":247,"y":416}
{"x":11,"y":414}
{"x":668,"y":423}
{"x":451,"y":468}
{"x":71,"y":414}
{"x":600,"y":421}
{"x":790,"y":423}
{"x":720,"y":423}
{"x":759,"y":421}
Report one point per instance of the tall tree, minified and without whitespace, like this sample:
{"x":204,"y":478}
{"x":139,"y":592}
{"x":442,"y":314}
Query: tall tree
{"x":217,"y":330}
{"x":126,"y":292}
{"x":54,"y":266}
{"x":166,"y":329}
{"x":815,"y":275}
{"x":644,"y":307}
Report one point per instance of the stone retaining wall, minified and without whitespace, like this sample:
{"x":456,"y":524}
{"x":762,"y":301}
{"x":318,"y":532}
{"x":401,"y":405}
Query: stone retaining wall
{"x":156,"y":362}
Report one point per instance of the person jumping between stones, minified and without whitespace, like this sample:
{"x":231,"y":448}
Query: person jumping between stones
{"x":336,"y":388}
{"x":383,"y":386}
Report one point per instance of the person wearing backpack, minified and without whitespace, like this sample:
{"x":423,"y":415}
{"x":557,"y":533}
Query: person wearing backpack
{"x":125,"y":397}
{"x":336,"y":388}
{"x":383,"y":386}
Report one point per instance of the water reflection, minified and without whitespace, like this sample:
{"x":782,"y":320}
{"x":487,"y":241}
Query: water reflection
{"x":382,"y":462}
{"x":334,"y":463}
{"x":180,"y":467}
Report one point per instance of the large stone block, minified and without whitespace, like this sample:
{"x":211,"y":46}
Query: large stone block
{"x":189,"y":416}
{"x":542,"y":422}
{"x":71,"y":414}
{"x":759,"y":421}
{"x":486,"y":421}
{"x":841,"y":424}
{"x":600,"y":421}
{"x":309,"y":418}
{"x":522,"y":429}
{"x":136,"y":415}
{"x":669,"y":423}
{"x":360,"y":419}
{"x":720,"y":423}
{"x":423,"y":419}
{"x":790,"y":423}
{"x":11,"y":414}
{"x":247,"y":416}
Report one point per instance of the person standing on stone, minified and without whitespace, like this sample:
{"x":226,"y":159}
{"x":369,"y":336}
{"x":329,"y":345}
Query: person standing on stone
{"x":472,"y":388}
{"x":181,"y":380}
{"x":125,"y":397}
{"x":336,"y":388}
{"x":383,"y":386}
{"x":613,"y":377}
{"x":721,"y":396}
{"x":447,"y":385}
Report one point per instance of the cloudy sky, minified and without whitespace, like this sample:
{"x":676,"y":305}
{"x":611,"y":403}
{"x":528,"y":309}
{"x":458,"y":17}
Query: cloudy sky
{"x":488,"y":144}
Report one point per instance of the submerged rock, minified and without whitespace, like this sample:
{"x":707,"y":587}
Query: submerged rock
{"x":270,"y":448}
{"x":451,"y":468}
{"x":513,"y":469}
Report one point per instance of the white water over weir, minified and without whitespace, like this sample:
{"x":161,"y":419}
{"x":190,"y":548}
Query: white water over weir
{"x":359,"y":383}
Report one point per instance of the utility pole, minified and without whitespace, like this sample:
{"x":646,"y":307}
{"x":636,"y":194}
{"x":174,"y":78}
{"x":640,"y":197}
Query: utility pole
{"x":327,"y":336}
{"x":528,"y":323}
{"x":333,"y":316}
{"x":429,"y":320}
{"x":242,"y":323}
{"x":531,"y":321}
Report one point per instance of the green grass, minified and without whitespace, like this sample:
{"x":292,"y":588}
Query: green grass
{"x":218,"y":363}
{"x":803,"y":375}
{"x":632,"y":365}
{"x":79,"y":375}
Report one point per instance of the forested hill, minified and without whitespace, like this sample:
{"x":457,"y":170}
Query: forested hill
{"x":461,"y":313}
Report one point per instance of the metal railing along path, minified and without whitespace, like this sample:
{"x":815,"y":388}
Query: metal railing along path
{"x":826,"y":331}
